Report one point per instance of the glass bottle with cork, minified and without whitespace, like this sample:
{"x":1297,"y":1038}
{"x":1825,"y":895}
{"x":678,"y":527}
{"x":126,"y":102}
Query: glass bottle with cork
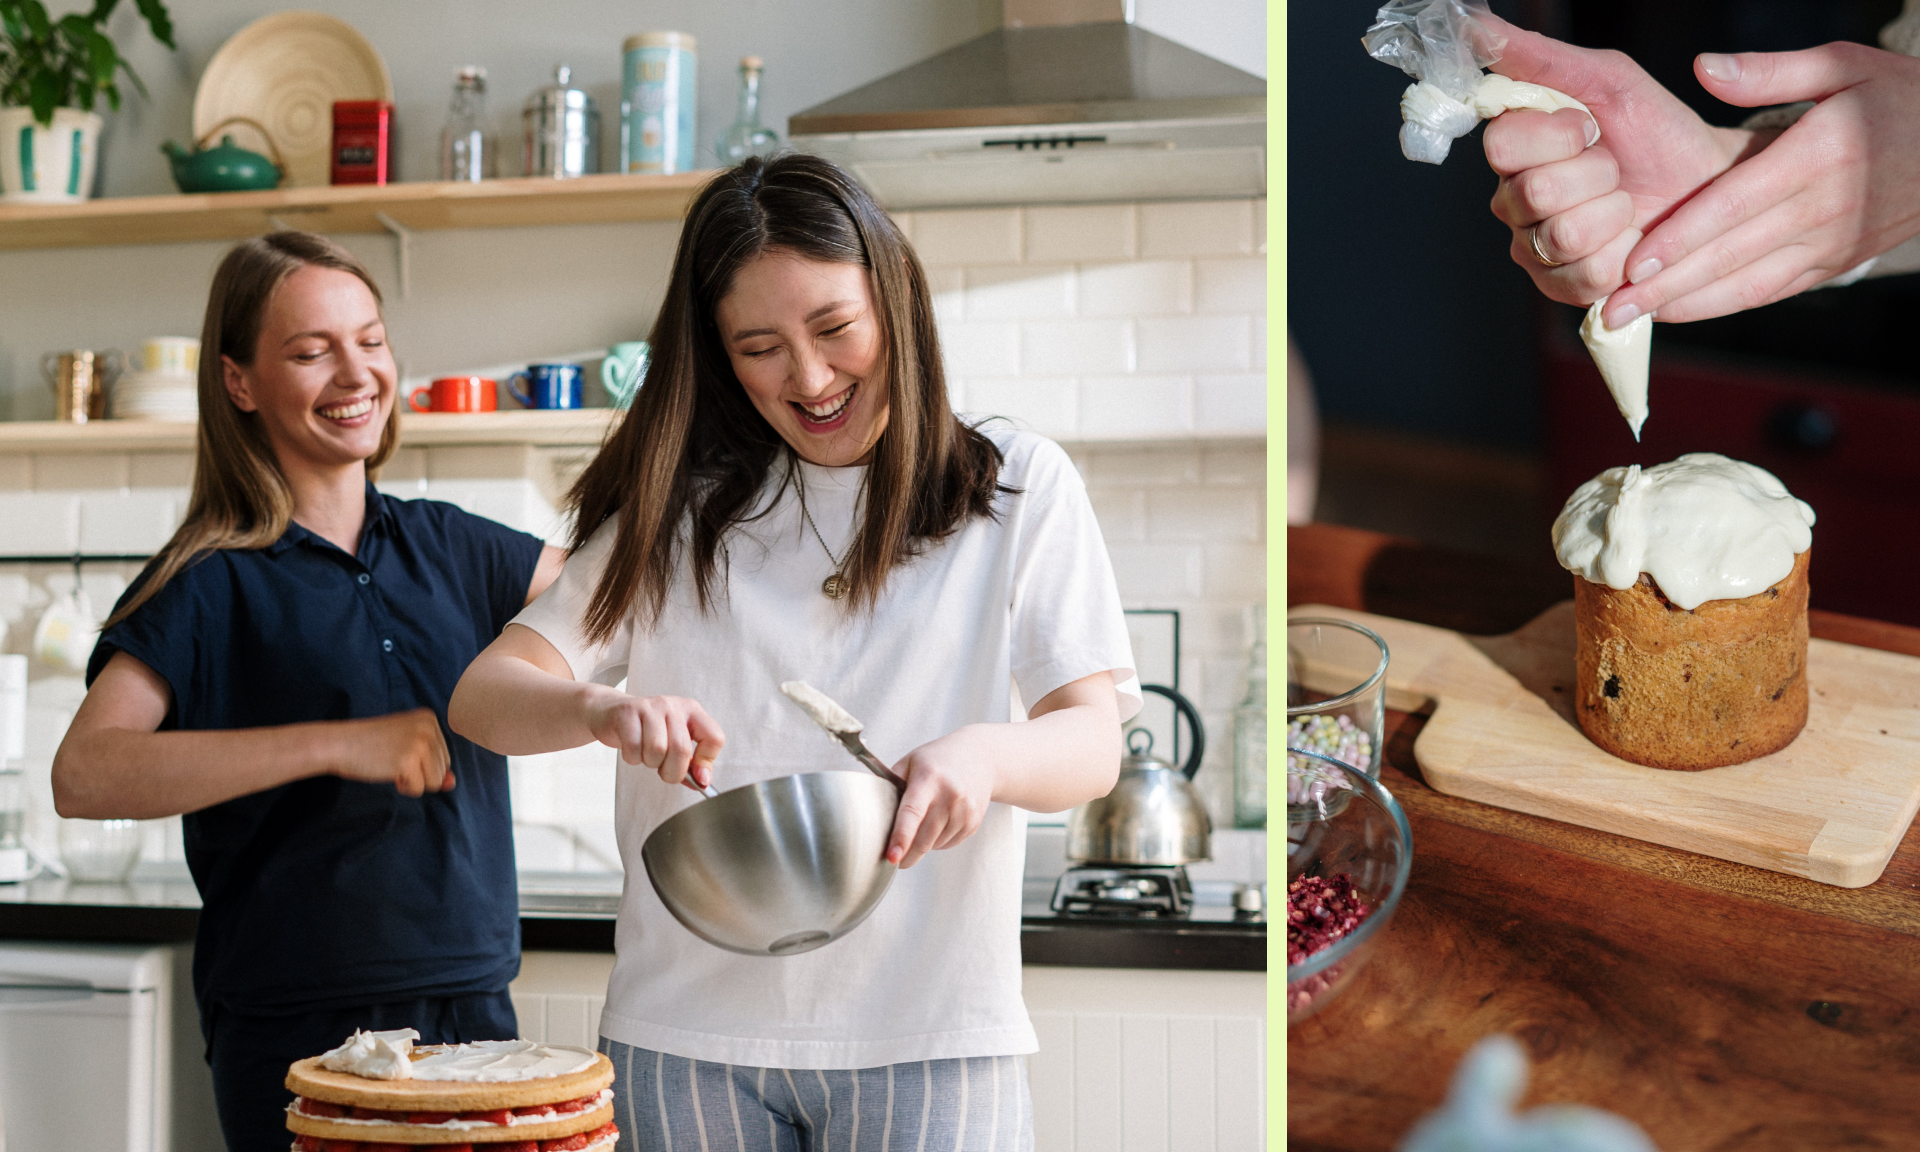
{"x":467,"y":151}
{"x":1250,"y":734}
{"x":747,"y":136}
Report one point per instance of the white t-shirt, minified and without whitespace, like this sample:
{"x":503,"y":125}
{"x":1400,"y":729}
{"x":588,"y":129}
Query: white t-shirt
{"x":934,"y":972}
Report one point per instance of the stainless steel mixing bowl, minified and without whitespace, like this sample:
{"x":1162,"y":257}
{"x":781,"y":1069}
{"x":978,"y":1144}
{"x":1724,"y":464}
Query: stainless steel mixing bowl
{"x":779,"y":867}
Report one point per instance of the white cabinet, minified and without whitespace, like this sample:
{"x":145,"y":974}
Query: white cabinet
{"x":1130,"y":1060}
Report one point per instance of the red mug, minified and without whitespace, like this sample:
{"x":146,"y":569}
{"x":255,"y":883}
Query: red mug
{"x":456,"y":394}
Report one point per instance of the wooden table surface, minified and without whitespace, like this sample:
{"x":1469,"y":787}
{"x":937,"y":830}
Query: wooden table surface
{"x":1718,"y":1006}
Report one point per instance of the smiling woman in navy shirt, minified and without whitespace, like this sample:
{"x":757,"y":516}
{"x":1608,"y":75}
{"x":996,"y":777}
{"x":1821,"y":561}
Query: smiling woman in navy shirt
{"x":280,"y":674}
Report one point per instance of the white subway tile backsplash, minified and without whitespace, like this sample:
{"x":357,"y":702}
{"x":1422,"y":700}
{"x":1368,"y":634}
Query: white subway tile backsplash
{"x":75,"y":470}
{"x":1237,"y":284}
{"x":1203,"y":513}
{"x":981,"y":349}
{"x":1151,"y":573}
{"x":1197,"y":228}
{"x":1076,"y":347}
{"x":1233,"y":404}
{"x":405,"y":465}
{"x":1192,"y":344}
{"x":1143,"y":466}
{"x":1081,"y":232}
{"x":138,"y":522}
{"x":1146,"y":407}
{"x":480,"y":462}
{"x":1136,"y":288}
{"x":1260,"y":226}
{"x":1049,"y":407}
{"x":1235,"y":465}
{"x":968,"y":236}
{"x":1019,"y":291}
{"x":39,"y":523}
{"x":947,"y":284}
{"x":160,"y":470}
{"x":1236,"y":570}
{"x":1122,"y":513}
{"x":1257,"y":342}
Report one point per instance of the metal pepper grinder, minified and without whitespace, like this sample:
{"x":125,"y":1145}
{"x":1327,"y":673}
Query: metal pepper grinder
{"x":562,"y":129}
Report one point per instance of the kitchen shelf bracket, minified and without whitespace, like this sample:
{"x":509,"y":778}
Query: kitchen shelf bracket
{"x":403,"y":249}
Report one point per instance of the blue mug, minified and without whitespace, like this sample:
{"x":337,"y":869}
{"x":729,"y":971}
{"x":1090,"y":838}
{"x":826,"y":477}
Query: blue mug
{"x":547,"y":386}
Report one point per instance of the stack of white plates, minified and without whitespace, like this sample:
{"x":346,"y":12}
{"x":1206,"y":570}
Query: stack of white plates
{"x":170,"y":396}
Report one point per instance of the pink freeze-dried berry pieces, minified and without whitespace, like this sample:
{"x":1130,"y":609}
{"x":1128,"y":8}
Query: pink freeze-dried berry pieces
{"x":1320,"y":911}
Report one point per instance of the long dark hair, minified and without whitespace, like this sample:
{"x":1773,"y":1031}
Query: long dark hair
{"x":695,"y":449}
{"x":240,"y":496}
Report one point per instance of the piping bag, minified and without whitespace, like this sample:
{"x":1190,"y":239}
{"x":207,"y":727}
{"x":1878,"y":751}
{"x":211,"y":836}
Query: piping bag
{"x":1443,"y":45}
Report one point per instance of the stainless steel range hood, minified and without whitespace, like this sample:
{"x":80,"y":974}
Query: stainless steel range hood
{"x":1069,"y":103}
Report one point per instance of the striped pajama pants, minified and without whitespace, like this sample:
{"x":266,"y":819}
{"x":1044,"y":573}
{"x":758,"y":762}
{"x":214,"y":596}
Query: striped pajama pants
{"x":668,"y":1103}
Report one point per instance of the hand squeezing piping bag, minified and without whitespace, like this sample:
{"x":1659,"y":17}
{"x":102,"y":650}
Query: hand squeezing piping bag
{"x":1443,"y":45}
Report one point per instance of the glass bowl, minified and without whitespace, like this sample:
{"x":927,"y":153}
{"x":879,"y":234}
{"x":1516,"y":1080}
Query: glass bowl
{"x":1336,"y":690}
{"x":1340,"y":820}
{"x":100,"y":851}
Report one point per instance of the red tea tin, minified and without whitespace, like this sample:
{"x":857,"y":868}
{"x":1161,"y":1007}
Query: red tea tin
{"x":362,"y":139}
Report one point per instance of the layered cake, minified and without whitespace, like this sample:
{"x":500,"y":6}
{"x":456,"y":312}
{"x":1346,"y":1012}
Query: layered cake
{"x":1690,"y":611}
{"x":381,"y":1091}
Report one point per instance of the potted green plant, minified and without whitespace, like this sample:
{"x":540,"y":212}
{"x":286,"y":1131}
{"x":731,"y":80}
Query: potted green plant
{"x":51,"y":72}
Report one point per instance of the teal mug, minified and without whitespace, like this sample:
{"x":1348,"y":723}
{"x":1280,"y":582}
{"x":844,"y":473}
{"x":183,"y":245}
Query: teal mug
{"x":622,"y":371}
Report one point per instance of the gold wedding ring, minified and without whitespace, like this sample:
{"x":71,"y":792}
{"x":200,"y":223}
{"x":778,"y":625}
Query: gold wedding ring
{"x":1539,"y":253}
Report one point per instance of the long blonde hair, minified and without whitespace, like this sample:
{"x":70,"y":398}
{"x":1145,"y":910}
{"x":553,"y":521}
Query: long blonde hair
{"x":240,"y":496}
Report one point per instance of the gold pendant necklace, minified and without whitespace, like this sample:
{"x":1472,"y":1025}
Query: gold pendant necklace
{"x":834,"y":586}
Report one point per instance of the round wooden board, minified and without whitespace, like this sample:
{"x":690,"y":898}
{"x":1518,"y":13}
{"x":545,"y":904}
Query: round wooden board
{"x":328,"y":1129}
{"x":307,"y":1078}
{"x":285,"y":71}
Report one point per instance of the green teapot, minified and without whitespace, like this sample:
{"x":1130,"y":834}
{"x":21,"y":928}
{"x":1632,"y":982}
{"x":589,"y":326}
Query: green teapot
{"x":226,"y":168}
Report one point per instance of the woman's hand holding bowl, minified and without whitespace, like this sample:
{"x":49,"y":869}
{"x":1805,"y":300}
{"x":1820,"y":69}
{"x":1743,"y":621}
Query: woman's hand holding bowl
{"x":949,"y":785}
{"x":672,"y":735}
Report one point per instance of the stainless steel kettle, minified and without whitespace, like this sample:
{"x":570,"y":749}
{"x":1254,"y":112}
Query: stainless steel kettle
{"x":1153,"y":816}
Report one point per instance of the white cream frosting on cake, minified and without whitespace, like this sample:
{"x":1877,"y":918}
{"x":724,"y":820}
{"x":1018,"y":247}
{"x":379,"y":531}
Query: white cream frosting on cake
{"x":825,"y":711}
{"x":1705,"y":527}
{"x":393,"y":1056}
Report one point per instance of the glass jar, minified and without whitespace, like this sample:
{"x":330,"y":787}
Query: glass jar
{"x":1336,"y":690}
{"x":466,"y":144}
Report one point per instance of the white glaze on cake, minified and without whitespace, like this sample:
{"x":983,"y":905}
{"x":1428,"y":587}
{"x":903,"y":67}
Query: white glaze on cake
{"x":374,"y":1055}
{"x":1704,"y":527}
{"x":457,"y":1124}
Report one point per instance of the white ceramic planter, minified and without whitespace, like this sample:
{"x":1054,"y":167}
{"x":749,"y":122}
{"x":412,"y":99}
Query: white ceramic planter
{"x":48,"y":164}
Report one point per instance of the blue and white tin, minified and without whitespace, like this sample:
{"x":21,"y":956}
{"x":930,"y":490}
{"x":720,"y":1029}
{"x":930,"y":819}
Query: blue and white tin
{"x":657,"y":99}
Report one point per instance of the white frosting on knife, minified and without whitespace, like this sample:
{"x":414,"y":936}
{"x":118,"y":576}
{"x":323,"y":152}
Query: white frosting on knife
{"x":821,"y":707}
{"x":1622,"y":355}
{"x":1704,"y":527}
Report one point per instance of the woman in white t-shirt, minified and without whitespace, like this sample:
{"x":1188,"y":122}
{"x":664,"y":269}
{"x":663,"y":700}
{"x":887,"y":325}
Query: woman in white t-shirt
{"x":792,"y":498}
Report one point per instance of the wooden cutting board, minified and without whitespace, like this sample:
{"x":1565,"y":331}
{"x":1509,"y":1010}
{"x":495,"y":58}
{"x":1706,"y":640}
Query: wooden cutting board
{"x":1831,"y":806}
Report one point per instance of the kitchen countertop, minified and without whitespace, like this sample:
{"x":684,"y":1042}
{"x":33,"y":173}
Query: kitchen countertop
{"x":574,"y":912}
{"x":1716,"y":1005}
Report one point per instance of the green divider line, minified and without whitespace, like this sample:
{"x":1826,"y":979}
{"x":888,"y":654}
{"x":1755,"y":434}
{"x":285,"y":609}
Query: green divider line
{"x":26,"y":159}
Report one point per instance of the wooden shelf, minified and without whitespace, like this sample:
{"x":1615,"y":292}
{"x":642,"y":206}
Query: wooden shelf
{"x":585,"y":426}
{"x":349,"y":208}
{"x":580,"y":426}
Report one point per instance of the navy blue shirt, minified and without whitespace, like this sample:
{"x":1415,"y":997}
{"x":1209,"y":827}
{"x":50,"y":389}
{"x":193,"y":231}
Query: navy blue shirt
{"x":328,"y":892}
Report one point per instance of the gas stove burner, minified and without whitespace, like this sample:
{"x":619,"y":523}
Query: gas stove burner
{"x":1127,"y":893}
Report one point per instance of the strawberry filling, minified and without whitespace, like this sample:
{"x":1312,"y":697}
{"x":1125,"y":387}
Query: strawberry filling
{"x":584,"y":1140}
{"x":321,"y":1109}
